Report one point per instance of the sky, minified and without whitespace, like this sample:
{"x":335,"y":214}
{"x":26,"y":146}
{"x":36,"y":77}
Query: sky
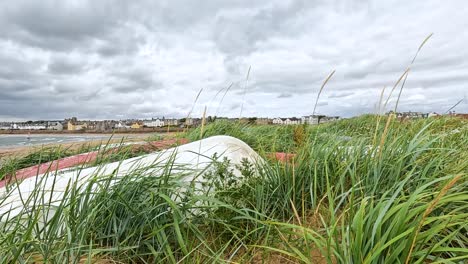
{"x":143,"y":59}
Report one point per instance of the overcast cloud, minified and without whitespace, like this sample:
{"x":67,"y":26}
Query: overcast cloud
{"x":141,"y":59}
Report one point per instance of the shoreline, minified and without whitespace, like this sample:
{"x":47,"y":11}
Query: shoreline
{"x":78,"y":132}
{"x":18,"y":151}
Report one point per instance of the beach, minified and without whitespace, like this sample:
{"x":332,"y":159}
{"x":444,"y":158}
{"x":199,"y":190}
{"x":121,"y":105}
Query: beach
{"x":20,"y":145}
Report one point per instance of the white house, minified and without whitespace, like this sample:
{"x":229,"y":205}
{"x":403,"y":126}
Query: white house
{"x":277,"y":121}
{"x":327,"y":119}
{"x":122,"y":125}
{"x":286,"y":121}
{"x":310,"y":119}
{"x":171,"y":122}
{"x":154,"y":123}
{"x":292,"y":121}
{"x":55,"y":126}
{"x":26,"y":126}
{"x":5,"y":126}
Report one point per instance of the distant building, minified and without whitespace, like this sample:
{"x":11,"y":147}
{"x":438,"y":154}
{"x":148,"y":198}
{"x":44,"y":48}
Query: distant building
{"x":292,"y":121}
{"x":171,"y":122}
{"x":277,"y":121}
{"x":311,"y":119}
{"x":410,"y":114}
{"x":29,"y":126}
{"x":154,"y":123}
{"x":5,"y":126}
{"x":32,"y":125}
{"x":136,"y":125}
{"x":105,"y":125}
{"x":192,"y":121}
{"x":122,"y":125}
{"x":74,"y":125}
{"x":327,"y":119}
{"x":55,"y":125}
{"x":286,"y":121}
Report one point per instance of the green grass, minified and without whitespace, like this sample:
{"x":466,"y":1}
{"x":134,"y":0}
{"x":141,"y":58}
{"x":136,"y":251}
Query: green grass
{"x":39,"y":155}
{"x":356,"y":192}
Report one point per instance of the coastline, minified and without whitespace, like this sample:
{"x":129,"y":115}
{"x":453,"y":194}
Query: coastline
{"x":91,"y":132}
{"x":18,"y":151}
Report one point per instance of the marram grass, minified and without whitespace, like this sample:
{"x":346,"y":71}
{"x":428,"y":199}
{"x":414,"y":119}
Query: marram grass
{"x":344,"y":198}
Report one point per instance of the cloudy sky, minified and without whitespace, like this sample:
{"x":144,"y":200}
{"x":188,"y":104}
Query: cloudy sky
{"x":139,"y":59}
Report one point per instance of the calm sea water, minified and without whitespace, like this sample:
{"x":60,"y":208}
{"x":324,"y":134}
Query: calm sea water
{"x":9,"y":141}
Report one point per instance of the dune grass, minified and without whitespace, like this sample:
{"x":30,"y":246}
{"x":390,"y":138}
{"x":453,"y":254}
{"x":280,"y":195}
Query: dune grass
{"x":343,"y":198}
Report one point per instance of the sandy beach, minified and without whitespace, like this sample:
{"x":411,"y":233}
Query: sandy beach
{"x":18,"y":151}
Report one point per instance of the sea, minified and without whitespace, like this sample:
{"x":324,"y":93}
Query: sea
{"x":12,"y":141}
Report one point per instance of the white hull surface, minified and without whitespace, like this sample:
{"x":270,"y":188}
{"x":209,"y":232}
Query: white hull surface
{"x":196,"y":157}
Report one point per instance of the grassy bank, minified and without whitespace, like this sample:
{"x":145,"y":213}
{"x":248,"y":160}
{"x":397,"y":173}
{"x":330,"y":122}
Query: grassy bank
{"x":363,"y":190}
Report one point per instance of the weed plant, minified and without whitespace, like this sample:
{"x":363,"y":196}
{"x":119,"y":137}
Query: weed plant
{"x":350,"y":195}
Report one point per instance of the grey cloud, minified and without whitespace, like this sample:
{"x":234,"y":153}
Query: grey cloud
{"x":235,"y":106}
{"x":237,"y":31}
{"x":64,"y":89}
{"x":339,"y":95}
{"x":100,"y":59}
{"x":87,"y":97}
{"x":59,"y":25}
{"x":284,"y":95}
{"x":134,"y":80}
{"x":64,"y":66}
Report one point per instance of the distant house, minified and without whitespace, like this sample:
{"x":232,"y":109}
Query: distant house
{"x":136,"y":125}
{"x":433,"y":114}
{"x":327,"y":119}
{"x":153,"y":123}
{"x":286,"y":121}
{"x":171,"y":122}
{"x":311,"y":119}
{"x":104,"y":125}
{"x":92,"y":125}
{"x":277,"y":121}
{"x":29,"y":126}
{"x":318,"y":119}
{"x":73,"y":124}
{"x":410,"y":114}
{"x":192,"y":121}
{"x":122,"y":125}
{"x":57,"y":126}
{"x":5,"y":126}
{"x":292,"y":121}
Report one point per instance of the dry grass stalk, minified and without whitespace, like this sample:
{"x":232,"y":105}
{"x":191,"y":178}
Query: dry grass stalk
{"x":379,"y":117}
{"x":295,"y":213}
{"x":245,"y":91}
{"x":222,"y":98}
{"x":191,"y":110}
{"x":412,"y":61}
{"x":321,"y":89}
{"x":384,"y":135}
{"x":203,"y":123}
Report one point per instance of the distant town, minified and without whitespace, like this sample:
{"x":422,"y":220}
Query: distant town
{"x":173,"y":124}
